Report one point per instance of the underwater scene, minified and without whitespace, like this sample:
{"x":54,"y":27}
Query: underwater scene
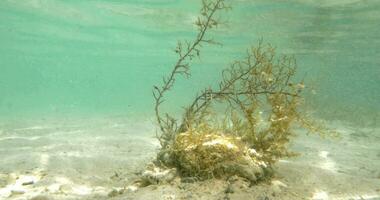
{"x":190,"y":99}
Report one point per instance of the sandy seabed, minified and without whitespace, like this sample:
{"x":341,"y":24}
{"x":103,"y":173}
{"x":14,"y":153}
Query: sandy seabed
{"x":100,"y":158}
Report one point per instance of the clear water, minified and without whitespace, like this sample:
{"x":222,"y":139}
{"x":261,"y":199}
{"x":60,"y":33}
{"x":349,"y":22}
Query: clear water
{"x":101,"y":58}
{"x":80,"y":57}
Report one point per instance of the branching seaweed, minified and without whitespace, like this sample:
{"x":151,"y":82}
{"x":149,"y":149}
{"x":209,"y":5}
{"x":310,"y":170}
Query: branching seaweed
{"x":259,"y":94}
{"x":186,"y":51}
{"x":259,"y":81}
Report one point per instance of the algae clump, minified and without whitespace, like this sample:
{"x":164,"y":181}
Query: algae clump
{"x":215,"y":155}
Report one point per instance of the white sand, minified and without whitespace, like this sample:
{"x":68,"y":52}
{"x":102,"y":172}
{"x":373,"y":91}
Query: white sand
{"x":88,"y":159}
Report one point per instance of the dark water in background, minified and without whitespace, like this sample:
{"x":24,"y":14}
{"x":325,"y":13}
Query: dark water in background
{"x":102,"y":57}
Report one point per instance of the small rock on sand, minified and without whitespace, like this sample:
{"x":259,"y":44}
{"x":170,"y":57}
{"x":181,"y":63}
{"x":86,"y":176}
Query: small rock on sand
{"x":116,"y":191}
{"x":28,"y":182}
{"x":17,"y":191}
{"x":40,"y":197}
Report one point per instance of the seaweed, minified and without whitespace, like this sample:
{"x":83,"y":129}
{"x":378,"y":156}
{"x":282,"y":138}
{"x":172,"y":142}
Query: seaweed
{"x":254,"y":108}
{"x":186,"y":52}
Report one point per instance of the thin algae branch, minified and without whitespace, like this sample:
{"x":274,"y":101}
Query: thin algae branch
{"x":186,"y":52}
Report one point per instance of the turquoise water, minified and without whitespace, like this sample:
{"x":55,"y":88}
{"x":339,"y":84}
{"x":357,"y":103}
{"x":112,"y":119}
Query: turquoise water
{"x":76,"y":104}
{"x":102,"y":57}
